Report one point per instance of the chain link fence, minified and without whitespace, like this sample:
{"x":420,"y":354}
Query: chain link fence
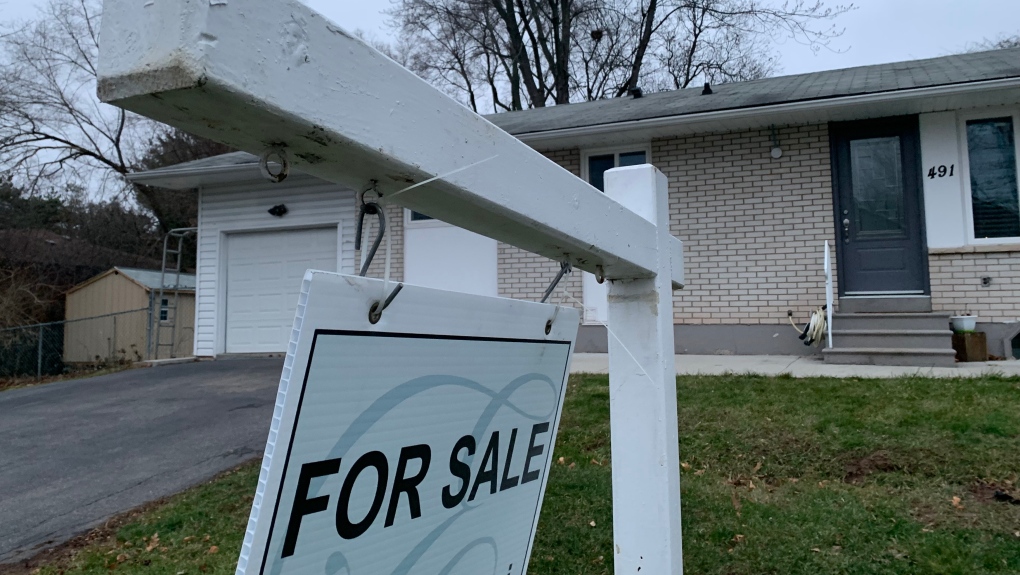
{"x":56,"y":348}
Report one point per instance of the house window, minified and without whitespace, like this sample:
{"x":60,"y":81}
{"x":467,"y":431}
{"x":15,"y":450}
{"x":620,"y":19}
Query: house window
{"x":995,"y":204}
{"x":597,"y":164}
{"x":413,"y":219}
{"x":164,"y":309}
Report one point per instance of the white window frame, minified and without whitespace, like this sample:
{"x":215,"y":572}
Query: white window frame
{"x":591,"y":309}
{"x":645,"y":147}
{"x":421,"y":224}
{"x":962,"y":119}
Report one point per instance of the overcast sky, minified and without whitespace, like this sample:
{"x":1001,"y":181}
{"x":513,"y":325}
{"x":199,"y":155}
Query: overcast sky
{"x":878,"y":31}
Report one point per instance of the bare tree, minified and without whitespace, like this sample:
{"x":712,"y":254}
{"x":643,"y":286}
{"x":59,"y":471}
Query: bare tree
{"x":998,"y":43}
{"x":511,"y":53}
{"x":21,"y":298}
{"x":515,"y":54}
{"x":718,"y":41}
{"x":52,"y":127}
{"x":56,"y":135}
{"x":168,"y":147}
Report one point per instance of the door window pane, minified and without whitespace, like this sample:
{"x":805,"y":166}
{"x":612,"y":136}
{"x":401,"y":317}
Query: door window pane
{"x":597,"y":166}
{"x":993,"y":185}
{"x":877,"y":186}
{"x":632,"y":159}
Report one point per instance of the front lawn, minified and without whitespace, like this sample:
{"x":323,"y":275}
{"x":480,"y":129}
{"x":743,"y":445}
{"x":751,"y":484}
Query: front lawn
{"x":780,"y":475}
{"x":810,"y":476}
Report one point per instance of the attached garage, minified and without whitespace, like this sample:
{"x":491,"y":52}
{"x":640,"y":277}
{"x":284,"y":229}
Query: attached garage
{"x":255,"y":241}
{"x":264,"y":273}
{"x":251,"y":263}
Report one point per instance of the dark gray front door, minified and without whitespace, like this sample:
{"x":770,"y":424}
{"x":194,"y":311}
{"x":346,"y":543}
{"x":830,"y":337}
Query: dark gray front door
{"x":879,"y":221}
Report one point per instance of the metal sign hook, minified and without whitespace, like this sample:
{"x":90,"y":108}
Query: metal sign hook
{"x":373,"y":208}
{"x":369,"y":208}
{"x":565,"y":268}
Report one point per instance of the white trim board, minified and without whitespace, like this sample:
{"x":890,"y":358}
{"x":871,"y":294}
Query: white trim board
{"x":983,"y":114}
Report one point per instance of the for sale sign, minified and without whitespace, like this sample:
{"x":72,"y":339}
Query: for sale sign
{"x":420,"y":444}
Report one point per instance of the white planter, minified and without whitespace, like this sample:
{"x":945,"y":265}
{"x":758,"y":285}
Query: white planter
{"x":964,"y":323}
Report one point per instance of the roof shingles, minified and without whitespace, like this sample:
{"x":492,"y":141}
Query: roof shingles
{"x":943,"y":71}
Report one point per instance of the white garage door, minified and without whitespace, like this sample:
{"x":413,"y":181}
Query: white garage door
{"x":264,"y":273}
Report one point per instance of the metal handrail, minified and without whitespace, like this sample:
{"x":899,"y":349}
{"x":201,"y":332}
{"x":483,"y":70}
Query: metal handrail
{"x":828,"y":294}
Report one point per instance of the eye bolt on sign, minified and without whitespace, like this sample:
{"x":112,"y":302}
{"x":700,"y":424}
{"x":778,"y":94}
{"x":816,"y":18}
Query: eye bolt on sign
{"x":417,"y":445}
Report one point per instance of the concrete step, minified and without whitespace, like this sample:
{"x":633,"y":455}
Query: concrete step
{"x":879,"y":304}
{"x":890,"y":321}
{"x":918,"y":357}
{"x":892,"y":338}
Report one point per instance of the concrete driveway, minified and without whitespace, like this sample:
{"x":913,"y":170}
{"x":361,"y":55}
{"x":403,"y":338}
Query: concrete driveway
{"x":74,"y":453}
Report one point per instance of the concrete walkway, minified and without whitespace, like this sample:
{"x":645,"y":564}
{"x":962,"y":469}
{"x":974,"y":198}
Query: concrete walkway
{"x":798,"y":366}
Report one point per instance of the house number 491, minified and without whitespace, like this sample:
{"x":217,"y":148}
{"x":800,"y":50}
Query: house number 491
{"x":941,"y":171}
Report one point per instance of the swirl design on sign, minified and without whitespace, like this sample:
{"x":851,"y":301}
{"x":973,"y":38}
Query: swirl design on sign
{"x":362,"y":424}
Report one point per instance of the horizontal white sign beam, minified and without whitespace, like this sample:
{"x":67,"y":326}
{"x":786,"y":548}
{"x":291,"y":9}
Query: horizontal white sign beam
{"x":261,"y":73}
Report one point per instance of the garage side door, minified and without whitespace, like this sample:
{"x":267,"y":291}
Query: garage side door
{"x":441,"y":256}
{"x":264,"y":273}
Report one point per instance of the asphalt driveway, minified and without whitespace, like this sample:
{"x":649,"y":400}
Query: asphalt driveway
{"x":74,"y":453}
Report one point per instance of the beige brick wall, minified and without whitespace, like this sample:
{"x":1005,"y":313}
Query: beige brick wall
{"x":956,"y":284}
{"x":524,"y":275}
{"x":753,"y":227}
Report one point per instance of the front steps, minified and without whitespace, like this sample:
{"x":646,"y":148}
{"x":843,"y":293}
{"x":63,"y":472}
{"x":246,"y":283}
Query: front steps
{"x":886,"y":338}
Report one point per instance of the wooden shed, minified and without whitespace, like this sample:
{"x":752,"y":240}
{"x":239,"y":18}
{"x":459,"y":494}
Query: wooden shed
{"x":119,"y":315}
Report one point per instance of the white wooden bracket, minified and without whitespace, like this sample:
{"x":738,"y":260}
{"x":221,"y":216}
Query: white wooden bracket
{"x":257,"y":74}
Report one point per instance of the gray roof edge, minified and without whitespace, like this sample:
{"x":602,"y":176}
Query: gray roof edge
{"x":185,"y":177}
{"x":807,"y":104}
{"x":183,"y":170}
{"x":141,"y":276}
{"x":188,"y":176}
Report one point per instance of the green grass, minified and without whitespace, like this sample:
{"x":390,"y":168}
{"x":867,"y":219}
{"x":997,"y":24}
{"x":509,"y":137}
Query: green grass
{"x":781,"y":475}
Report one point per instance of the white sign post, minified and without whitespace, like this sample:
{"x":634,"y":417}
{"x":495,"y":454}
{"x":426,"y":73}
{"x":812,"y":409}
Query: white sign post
{"x":273,"y":74}
{"x":642,"y":395}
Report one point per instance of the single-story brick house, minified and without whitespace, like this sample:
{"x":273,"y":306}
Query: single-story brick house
{"x":909,"y":170}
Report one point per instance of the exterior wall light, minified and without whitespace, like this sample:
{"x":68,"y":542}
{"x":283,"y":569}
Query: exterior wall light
{"x":777,"y":152}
